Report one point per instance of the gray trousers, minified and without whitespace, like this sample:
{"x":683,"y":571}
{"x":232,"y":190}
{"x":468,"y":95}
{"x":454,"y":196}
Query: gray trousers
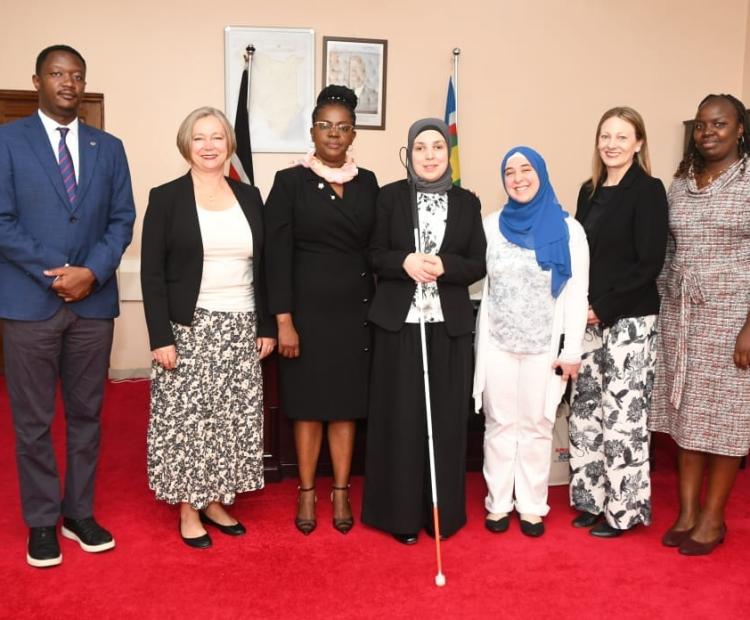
{"x":75,"y":350}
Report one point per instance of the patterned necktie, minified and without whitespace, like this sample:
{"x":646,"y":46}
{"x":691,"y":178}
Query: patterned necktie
{"x":66,"y":165}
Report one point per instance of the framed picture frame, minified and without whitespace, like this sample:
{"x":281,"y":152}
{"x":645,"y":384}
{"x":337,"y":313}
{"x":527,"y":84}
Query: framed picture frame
{"x":281,"y":93}
{"x":360,"y":64}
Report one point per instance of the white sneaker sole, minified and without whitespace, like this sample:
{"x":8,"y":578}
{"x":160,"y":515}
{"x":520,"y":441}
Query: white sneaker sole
{"x":90,"y":548}
{"x":37,"y":563}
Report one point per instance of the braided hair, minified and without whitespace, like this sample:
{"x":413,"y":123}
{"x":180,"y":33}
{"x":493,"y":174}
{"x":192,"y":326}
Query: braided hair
{"x":693,"y":161}
{"x":336,"y":95}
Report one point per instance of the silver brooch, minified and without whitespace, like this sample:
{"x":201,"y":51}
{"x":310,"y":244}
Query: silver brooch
{"x":320,"y":186}
{"x":333,"y":197}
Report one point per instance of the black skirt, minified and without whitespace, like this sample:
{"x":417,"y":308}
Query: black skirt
{"x":397,"y":495}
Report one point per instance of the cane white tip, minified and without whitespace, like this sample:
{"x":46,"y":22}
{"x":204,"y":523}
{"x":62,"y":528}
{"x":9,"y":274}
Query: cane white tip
{"x":440,"y":580}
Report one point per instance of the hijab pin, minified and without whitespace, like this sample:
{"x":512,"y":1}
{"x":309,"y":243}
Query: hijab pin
{"x":320,"y":186}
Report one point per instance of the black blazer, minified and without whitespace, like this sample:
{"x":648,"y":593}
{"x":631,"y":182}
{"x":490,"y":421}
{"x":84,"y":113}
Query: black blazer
{"x":462,"y":252}
{"x":172,"y":257}
{"x":627,"y":247}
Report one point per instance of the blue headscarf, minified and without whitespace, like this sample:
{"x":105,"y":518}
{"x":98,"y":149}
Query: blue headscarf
{"x":539,"y":224}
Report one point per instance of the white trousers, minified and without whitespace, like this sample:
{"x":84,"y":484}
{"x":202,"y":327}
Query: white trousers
{"x":517,"y":436}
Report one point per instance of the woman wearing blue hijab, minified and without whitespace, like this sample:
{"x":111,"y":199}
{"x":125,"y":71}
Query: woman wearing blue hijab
{"x":534,"y":294}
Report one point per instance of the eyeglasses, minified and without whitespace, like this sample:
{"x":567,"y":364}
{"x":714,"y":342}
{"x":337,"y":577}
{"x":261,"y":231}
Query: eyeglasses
{"x":328,"y":126}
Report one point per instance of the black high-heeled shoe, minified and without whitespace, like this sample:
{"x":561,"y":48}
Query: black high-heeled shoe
{"x":346,"y":524}
{"x":306,"y":526}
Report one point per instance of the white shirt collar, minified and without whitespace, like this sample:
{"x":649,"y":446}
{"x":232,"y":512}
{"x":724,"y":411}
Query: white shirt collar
{"x":51,"y":125}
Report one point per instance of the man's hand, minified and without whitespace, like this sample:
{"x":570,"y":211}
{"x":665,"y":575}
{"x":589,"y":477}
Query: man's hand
{"x":72,"y":283}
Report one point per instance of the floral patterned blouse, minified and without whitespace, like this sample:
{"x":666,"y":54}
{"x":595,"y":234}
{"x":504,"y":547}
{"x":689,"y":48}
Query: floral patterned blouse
{"x":433,"y":212}
{"x":521,"y":306}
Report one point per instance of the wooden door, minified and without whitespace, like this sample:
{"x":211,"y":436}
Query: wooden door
{"x":16,"y":104}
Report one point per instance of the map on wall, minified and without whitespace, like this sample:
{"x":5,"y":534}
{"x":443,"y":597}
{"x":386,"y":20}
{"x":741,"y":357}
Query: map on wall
{"x":282,"y":85}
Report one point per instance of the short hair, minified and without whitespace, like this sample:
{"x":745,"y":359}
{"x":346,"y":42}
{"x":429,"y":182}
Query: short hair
{"x":56,"y":48}
{"x":335,"y":94}
{"x":598,"y":169}
{"x":693,"y":161}
{"x":185,"y":132}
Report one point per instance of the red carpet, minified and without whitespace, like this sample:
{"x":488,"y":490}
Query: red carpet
{"x":275,"y":572}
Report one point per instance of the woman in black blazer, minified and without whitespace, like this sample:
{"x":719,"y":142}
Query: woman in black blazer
{"x":624,"y":213}
{"x":319,"y":216}
{"x":397,"y":495}
{"x":208,"y":325}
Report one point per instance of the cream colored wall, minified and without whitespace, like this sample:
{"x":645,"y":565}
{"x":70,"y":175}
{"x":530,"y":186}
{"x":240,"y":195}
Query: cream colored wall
{"x":535,"y":72}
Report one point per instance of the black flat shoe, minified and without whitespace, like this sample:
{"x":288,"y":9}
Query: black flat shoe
{"x":585,"y":519}
{"x":535,"y":530}
{"x":230,"y":530}
{"x":406,"y":539}
{"x":605,"y":530}
{"x":693,"y":547}
{"x":497,"y":526}
{"x":199,"y":542}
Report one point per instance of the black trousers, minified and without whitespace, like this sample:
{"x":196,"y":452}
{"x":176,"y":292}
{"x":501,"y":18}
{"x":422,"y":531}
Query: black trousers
{"x":37,"y":353}
{"x":397,"y":496}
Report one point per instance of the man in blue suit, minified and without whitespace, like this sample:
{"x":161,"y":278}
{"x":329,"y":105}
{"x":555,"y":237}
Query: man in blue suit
{"x":66,"y":217}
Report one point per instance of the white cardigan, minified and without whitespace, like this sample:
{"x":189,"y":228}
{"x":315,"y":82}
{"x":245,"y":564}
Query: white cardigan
{"x":569,"y":318}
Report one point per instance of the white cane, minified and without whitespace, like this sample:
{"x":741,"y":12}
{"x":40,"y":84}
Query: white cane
{"x":439,"y":578}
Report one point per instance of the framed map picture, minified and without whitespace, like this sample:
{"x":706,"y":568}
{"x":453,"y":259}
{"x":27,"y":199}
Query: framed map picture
{"x":281,"y":92}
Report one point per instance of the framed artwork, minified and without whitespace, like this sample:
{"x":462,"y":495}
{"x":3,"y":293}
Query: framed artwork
{"x":281,"y":93}
{"x":361,"y":65}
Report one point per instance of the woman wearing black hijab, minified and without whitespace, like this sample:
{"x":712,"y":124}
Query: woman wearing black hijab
{"x":397,"y":495}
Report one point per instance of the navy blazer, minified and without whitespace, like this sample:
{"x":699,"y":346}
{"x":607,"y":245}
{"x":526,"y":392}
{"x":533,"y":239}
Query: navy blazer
{"x":172,"y":257}
{"x":40,"y":229}
{"x":462,"y":252}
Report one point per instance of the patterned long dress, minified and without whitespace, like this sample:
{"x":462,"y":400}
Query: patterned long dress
{"x":700,"y":397}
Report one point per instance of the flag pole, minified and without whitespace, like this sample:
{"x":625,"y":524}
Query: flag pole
{"x":456,"y":54}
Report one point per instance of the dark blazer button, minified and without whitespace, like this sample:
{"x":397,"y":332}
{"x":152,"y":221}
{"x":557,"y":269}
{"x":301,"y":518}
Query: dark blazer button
{"x":365,"y":324}
{"x":367,"y":349}
{"x":365,"y":300}
{"x":363,"y":274}
{"x":73,"y":219}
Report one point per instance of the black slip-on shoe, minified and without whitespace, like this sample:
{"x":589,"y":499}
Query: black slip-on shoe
{"x":230,"y":530}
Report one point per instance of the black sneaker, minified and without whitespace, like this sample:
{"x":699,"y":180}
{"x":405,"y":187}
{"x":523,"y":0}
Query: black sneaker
{"x":43,"y":549}
{"x":88,"y":533}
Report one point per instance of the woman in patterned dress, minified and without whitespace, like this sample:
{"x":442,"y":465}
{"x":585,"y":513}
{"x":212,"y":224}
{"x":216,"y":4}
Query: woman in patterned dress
{"x":535,"y":293}
{"x":397,"y":495}
{"x":624,"y":213}
{"x":205,"y":307}
{"x":702,"y":387}
{"x":319,"y":216}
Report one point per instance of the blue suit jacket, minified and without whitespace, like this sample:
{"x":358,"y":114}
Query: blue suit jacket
{"x":40,"y":229}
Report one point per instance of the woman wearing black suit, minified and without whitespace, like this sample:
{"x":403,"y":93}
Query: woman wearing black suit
{"x":208,"y":325}
{"x":397,"y":495}
{"x":319,"y":215}
{"x":623,"y":210}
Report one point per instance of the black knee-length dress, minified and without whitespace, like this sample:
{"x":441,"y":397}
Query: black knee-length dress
{"x":317,"y":270}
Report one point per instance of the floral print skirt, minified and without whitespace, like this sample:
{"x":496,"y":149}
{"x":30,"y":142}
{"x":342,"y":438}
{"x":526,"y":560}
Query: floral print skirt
{"x":205,"y":433}
{"x":609,"y":439}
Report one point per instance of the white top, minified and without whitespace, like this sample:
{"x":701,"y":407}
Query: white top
{"x":519,"y":301}
{"x":227,"y":281}
{"x":71,"y":140}
{"x":433,"y":213}
{"x":568,"y":317}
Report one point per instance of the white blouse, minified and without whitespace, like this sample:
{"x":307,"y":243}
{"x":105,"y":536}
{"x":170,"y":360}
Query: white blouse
{"x":520,"y":303}
{"x":227,"y":281}
{"x":433,"y":213}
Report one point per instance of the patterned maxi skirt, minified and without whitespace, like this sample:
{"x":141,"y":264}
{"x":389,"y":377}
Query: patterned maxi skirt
{"x":205,"y":434}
